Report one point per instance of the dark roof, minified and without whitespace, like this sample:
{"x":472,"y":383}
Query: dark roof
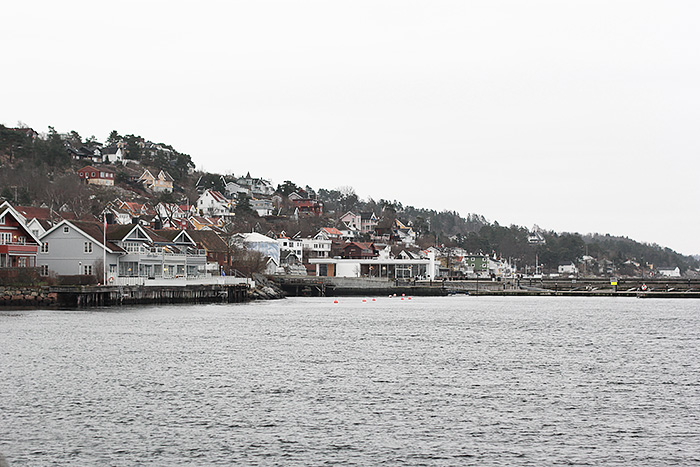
{"x":94,"y":230}
{"x":118,"y":231}
{"x":208,"y":240}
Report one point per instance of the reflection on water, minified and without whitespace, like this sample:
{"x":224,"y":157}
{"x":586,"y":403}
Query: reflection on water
{"x":430,"y":381}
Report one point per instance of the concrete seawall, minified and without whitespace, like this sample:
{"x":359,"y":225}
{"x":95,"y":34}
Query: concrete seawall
{"x":95,"y":296}
{"x":341,"y":286}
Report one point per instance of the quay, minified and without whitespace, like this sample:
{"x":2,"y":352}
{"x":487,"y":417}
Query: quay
{"x":591,"y":287}
{"x":103,"y":296}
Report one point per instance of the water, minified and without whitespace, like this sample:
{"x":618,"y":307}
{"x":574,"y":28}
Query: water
{"x":430,"y":381}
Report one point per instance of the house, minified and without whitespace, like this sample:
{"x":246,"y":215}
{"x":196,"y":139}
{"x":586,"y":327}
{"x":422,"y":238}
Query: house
{"x":204,"y":223}
{"x":365,"y":222}
{"x":351,"y":221}
{"x":329,"y":233}
{"x":97,"y":176}
{"x":162,"y":183}
{"x":379,"y":267}
{"x":213,"y":203}
{"x":669,"y":272}
{"x":358,"y":250}
{"x":475,"y":265}
{"x":262,"y":206}
{"x":217,"y":251}
{"x":306,"y":206}
{"x":234,"y":189}
{"x":112,"y":154}
{"x":77,"y":247}
{"x":567,"y":268}
{"x":291,"y":244}
{"x":151,"y":255}
{"x":256,"y":186}
{"x":535,"y":236}
{"x":92,"y":154}
{"x":404,"y":233}
{"x":291,"y":264}
{"x":18,"y":245}
{"x":317,"y":247}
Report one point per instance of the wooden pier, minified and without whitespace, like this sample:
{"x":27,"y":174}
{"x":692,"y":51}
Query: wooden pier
{"x":84,"y":297}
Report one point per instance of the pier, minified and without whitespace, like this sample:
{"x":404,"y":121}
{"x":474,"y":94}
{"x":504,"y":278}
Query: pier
{"x":99,"y":296}
{"x":630,"y":287}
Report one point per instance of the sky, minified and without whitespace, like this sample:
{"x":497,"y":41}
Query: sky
{"x":577,"y":116}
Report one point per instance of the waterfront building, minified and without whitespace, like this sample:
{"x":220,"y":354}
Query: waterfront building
{"x":78,"y":248}
{"x":18,"y":244}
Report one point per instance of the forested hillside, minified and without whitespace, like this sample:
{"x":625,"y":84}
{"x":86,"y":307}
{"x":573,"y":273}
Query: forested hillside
{"x":41,"y":169}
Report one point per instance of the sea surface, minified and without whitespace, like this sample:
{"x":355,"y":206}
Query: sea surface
{"x":305,"y":381}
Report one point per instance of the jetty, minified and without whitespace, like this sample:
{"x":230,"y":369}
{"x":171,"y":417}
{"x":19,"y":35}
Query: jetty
{"x":633,"y":287}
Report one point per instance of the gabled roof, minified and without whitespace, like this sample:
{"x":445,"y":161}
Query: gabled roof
{"x":332,"y":231}
{"x":7,"y":209}
{"x":218,"y":196}
{"x":124,"y":232}
{"x":163,"y":175}
{"x":208,"y":240}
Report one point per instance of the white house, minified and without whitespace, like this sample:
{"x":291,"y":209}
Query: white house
{"x":262,"y":206}
{"x":568,"y":268}
{"x":669,"y":272}
{"x":212,"y":203}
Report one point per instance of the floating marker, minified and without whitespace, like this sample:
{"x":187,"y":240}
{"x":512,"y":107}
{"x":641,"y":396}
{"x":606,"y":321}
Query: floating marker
{"x":374,"y":299}
{"x":409,"y":298}
{"x":364,"y":300}
{"x":401,"y":298}
{"x":335,"y":301}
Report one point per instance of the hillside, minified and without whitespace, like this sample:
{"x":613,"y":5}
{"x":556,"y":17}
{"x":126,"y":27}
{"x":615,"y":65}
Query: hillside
{"x":41,"y":169}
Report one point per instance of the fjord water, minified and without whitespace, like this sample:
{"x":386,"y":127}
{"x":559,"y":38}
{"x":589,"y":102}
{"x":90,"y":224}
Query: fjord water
{"x":427,"y":381}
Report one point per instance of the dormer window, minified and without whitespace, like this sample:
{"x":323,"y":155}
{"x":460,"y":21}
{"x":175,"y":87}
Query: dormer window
{"x":66,"y":229}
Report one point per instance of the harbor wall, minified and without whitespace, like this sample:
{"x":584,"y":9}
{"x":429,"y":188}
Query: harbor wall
{"x":96,"y":296}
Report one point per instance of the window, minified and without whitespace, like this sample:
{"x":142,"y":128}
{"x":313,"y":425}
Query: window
{"x":2,"y":220}
{"x":45,"y":247}
{"x":5,"y":238}
{"x":93,"y":174}
{"x":87,"y":269}
{"x":66,"y":229}
{"x":88,"y":247}
{"x":21,"y":239}
{"x":22,"y":262}
{"x":44,"y":271}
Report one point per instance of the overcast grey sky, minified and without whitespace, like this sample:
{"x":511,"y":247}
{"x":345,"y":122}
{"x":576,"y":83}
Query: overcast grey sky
{"x":578,"y":116}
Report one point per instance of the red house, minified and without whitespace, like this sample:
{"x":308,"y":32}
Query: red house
{"x":18,"y":246}
{"x":359,"y":250}
{"x":96,"y":176}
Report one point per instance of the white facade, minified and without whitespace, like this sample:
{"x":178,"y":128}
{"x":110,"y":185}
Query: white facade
{"x":213,"y":203}
{"x":668,"y":272}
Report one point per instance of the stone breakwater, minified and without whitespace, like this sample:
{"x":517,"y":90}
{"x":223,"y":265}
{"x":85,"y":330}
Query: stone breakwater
{"x":27,"y":296}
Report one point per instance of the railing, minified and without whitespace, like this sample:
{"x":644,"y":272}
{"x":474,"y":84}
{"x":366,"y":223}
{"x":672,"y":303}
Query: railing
{"x":180,"y":281}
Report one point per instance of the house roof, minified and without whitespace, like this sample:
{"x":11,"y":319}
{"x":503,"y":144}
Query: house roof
{"x":93,"y":230}
{"x":6,"y":208}
{"x":332,"y":231}
{"x":257,"y":238}
{"x":209,"y":240}
{"x":218,"y":196}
